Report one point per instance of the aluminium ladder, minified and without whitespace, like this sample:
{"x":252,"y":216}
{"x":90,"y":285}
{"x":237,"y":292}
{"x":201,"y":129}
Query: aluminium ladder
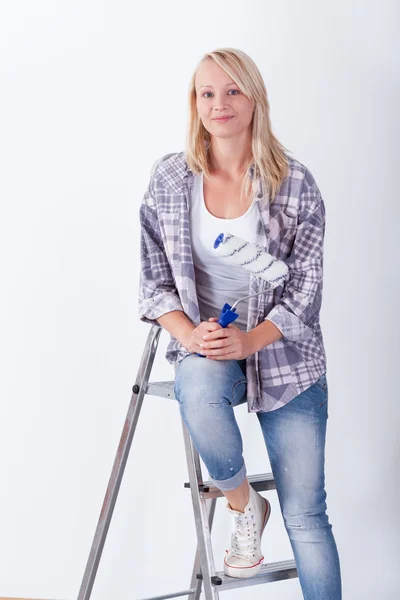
{"x":204,"y":495}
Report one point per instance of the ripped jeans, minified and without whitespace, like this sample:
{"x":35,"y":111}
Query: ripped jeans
{"x":207,"y":392}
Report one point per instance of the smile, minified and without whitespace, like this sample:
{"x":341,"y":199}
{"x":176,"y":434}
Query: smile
{"x":223,"y":119}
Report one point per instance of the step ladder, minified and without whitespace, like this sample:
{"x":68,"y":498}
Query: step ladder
{"x":204,"y":495}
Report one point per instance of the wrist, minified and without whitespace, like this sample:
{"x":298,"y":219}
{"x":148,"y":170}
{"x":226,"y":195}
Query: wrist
{"x":263,"y":334}
{"x":185,"y":339}
{"x":252,"y":338}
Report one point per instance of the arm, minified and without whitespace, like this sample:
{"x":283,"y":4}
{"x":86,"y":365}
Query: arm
{"x":157,"y":291}
{"x":264,"y":334}
{"x":301,"y":300}
{"x":178,"y":325}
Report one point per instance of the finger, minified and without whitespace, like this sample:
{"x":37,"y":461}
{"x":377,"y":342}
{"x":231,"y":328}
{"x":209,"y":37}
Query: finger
{"x":219,"y":350}
{"x":216,"y":334}
{"x":212,"y":326}
{"x":213,"y":319}
{"x":220,"y":343}
{"x":230,"y":356}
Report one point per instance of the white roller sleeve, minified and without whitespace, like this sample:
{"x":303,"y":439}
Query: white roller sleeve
{"x":252,"y":258}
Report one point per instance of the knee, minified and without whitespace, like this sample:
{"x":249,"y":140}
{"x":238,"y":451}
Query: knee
{"x":315,"y":518}
{"x":197,"y":382}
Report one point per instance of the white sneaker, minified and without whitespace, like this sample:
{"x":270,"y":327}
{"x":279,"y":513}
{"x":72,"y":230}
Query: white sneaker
{"x":245,"y":559}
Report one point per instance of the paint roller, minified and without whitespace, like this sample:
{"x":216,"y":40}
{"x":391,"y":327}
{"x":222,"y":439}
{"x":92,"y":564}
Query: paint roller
{"x":253,"y":258}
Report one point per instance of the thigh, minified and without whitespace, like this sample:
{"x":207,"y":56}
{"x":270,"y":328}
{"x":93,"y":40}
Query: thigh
{"x":295,"y":438}
{"x":207,"y":392}
{"x":199,"y":379}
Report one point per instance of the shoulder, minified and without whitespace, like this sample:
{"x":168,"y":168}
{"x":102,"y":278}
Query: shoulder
{"x":301,"y":173}
{"x":169,"y":171}
{"x":303,"y":186}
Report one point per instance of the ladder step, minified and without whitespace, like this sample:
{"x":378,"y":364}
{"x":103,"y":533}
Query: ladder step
{"x":277,"y":571}
{"x":188,"y":592}
{"x":164,"y":389}
{"x":262,"y":482}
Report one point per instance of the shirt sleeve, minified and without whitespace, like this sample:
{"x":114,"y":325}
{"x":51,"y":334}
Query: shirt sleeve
{"x":295,"y":313}
{"x":157,"y":290}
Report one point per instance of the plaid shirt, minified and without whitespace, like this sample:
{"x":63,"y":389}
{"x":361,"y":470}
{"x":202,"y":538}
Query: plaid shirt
{"x":291,"y":229}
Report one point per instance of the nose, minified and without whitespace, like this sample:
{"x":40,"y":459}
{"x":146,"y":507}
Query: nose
{"x":220,"y":103}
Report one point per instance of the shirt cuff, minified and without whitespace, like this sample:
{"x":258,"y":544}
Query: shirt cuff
{"x":156,"y":306}
{"x":290,"y":325}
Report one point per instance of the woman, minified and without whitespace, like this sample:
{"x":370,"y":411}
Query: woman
{"x":235,"y":176}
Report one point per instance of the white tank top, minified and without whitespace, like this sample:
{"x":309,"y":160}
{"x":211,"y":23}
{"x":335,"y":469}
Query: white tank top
{"x":218,"y":280}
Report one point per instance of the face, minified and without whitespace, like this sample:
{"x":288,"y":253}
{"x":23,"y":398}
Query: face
{"x":217,"y":95}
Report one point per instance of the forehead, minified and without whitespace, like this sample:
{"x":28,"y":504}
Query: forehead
{"x":211,"y":74}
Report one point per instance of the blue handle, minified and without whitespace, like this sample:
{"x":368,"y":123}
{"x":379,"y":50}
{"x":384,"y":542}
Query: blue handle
{"x":227,"y":316}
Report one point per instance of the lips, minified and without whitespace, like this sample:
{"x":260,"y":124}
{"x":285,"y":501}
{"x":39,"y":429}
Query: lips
{"x":223,"y":118}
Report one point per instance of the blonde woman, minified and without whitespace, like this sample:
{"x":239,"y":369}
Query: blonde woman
{"x":235,"y":176}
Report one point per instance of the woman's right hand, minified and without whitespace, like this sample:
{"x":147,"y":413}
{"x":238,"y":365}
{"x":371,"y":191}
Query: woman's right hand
{"x":196,"y":338}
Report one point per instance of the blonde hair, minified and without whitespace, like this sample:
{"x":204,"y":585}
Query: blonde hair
{"x":267,"y":153}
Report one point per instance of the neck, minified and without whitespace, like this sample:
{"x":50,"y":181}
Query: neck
{"x":229,"y":156}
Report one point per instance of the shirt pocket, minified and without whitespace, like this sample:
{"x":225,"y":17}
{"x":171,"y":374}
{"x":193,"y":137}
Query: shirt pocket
{"x":288,"y":221}
{"x":290,"y":211}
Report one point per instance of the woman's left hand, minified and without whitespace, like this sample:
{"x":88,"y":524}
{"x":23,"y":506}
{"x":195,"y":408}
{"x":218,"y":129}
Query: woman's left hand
{"x":227,"y":343}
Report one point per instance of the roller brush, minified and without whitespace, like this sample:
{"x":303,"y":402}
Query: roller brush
{"x":253,"y":258}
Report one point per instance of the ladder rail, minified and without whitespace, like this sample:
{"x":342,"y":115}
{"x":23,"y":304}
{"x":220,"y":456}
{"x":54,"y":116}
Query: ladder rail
{"x":196,"y":582}
{"x":201,"y":516}
{"x":135,"y":405}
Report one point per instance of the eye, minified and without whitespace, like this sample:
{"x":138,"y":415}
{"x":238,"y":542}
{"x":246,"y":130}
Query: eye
{"x":232,"y":90}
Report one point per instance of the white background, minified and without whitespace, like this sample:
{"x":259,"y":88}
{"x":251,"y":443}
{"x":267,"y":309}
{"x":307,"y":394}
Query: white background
{"x":92,"y":93}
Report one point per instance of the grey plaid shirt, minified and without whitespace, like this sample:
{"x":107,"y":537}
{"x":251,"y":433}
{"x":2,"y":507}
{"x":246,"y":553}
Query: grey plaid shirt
{"x":292,"y":229}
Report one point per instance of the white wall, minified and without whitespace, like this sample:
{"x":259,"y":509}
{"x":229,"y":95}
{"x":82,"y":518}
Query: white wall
{"x":91,"y":94}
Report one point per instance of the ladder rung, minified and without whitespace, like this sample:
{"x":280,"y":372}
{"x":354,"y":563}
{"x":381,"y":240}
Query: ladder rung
{"x":164,"y":389}
{"x":277,"y":571}
{"x":262,"y":482}
{"x":173,"y":595}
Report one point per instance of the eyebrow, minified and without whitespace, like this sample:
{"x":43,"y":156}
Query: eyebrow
{"x":208,"y":85}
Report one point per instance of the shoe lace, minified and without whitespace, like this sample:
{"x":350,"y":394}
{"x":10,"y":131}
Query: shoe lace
{"x":244,"y":534}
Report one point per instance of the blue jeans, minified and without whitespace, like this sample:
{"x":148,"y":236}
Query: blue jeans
{"x":207,"y":392}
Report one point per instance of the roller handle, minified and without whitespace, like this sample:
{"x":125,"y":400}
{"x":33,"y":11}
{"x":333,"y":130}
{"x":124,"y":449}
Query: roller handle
{"x":227,"y":316}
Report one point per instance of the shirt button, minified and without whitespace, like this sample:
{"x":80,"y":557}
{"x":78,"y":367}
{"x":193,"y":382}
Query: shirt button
{"x":259,"y":195}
